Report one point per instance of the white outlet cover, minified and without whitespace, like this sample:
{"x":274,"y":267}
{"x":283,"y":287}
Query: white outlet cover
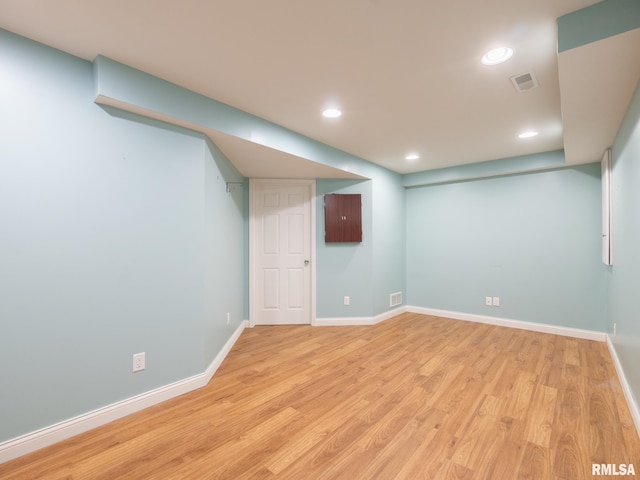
{"x":496,"y":301}
{"x":488,"y":301}
{"x":138,"y":362}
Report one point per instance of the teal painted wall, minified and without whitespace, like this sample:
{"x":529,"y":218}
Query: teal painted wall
{"x":370,"y":271}
{"x":136,"y":90}
{"x":389,"y":242}
{"x":385,"y":272}
{"x":624,"y":275}
{"x":532,"y":239}
{"x":225,"y":247}
{"x":109,"y":245}
{"x":492,"y":168}
{"x":596,"y":22}
{"x":344,"y":268}
{"x":383,"y":211}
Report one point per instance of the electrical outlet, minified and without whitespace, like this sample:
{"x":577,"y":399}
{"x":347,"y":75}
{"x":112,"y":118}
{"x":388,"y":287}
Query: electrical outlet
{"x":614,"y":329}
{"x":496,"y":301}
{"x":228,"y":318}
{"x":488,"y":301}
{"x":347,"y":300}
{"x":138,"y":362}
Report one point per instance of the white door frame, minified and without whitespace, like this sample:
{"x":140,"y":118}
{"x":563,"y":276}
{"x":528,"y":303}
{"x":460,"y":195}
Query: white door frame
{"x":253,"y":184}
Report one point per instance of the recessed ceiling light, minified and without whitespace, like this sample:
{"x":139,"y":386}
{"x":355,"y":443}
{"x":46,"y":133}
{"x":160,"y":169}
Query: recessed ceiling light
{"x":331,"y":113}
{"x":497,"y":55}
{"x":412,"y":156}
{"x":528,"y":134}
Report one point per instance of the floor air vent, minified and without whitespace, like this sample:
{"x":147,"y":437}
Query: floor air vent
{"x":524,"y":81}
{"x":395,"y":299}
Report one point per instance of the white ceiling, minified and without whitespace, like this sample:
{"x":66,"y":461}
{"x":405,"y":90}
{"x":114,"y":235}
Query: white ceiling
{"x":597,"y":81}
{"x":406,"y":73}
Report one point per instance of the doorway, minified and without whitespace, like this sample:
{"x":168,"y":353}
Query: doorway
{"x":282,"y":252}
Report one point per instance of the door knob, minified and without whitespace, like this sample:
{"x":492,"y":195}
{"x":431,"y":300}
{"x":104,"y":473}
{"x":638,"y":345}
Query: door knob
{"x":306,"y":262}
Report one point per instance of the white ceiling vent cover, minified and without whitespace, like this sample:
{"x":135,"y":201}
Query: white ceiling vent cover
{"x":524,"y":81}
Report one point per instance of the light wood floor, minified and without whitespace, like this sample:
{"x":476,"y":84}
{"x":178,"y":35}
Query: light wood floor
{"x":413,"y":397}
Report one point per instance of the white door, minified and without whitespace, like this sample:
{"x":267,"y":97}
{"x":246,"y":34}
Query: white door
{"x":281,"y":251}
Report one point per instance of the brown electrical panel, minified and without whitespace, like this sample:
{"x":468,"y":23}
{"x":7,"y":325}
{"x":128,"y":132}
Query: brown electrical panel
{"x":342,"y":218}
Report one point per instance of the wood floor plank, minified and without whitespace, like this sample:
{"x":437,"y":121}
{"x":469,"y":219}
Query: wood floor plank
{"x":535,"y":463}
{"x":299,"y":444}
{"x":412,"y":397}
{"x":540,"y":415}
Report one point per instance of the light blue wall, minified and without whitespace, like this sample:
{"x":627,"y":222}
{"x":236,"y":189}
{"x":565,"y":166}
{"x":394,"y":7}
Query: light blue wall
{"x":389,"y":242}
{"x":370,"y":271}
{"x":225,"y":265}
{"x":132,"y":89}
{"x":532,"y":239}
{"x":596,"y":22}
{"x":492,"y":168}
{"x":624,"y":275}
{"x":344,"y":269}
{"x":109,"y":245}
{"x":384,"y":204}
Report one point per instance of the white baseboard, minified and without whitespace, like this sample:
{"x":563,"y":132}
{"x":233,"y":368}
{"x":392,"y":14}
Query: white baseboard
{"x":355,"y":321}
{"x":381,"y":317}
{"x":342,"y":321}
{"x":224,"y":351}
{"x":634,"y":408}
{"x":44,"y":437}
{"x":522,"y":325}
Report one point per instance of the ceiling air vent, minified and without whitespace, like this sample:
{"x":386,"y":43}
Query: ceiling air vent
{"x":524,"y":81}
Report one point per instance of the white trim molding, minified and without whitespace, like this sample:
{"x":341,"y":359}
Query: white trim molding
{"x":356,"y":321}
{"x":522,"y":325}
{"x":44,"y":437}
{"x":342,"y":321}
{"x":634,"y":408}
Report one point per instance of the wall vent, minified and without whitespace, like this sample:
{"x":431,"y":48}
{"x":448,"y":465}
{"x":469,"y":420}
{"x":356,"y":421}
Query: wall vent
{"x":524,"y":81}
{"x":395,"y":299}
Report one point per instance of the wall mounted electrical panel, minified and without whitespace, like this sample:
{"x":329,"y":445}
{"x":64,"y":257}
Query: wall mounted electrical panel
{"x":343,"y":218}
